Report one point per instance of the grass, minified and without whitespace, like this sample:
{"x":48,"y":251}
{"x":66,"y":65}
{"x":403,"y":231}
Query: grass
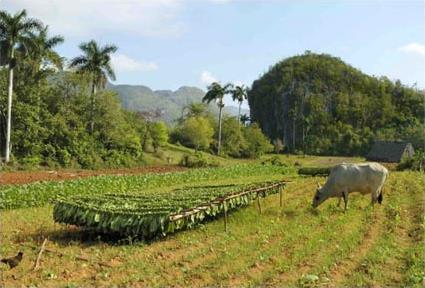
{"x":292,"y":245}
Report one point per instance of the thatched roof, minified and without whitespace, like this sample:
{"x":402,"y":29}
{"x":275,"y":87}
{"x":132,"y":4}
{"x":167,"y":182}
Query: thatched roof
{"x":390,"y":151}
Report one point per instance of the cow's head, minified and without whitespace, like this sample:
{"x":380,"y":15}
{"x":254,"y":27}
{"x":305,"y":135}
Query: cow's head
{"x":319,"y":197}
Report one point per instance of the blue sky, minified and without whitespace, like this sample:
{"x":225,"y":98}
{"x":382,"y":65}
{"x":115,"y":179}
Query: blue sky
{"x":165,"y":44}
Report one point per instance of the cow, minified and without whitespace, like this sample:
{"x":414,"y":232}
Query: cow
{"x":366,"y":178}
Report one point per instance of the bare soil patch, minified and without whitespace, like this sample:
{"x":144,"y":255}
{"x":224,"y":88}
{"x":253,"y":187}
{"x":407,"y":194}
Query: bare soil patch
{"x":23,"y":177}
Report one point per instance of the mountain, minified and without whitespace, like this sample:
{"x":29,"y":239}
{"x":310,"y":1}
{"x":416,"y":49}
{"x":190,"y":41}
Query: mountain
{"x":318,"y":104}
{"x":166,"y":104}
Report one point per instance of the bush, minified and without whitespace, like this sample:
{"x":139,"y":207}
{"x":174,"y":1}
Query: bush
{"x":275,"y":161}
{"x":416,"y":163}
{"x":315,"y":171}
{"x":197,"y":160}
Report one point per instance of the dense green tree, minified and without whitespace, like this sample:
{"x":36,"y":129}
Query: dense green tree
{"x":159,"y":134}
{"x":216,"y":93}
{"x":196,"y":132}
{"x":194,"y":109}
{"x":96,"y":64}
{"x":256,"y":142}
{"x":14,"y":31}
{"x":233,"y":140}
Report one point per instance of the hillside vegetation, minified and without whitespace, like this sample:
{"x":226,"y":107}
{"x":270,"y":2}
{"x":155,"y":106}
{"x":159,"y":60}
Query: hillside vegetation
{"x":318,"y":104}
{"x":165,"y":105}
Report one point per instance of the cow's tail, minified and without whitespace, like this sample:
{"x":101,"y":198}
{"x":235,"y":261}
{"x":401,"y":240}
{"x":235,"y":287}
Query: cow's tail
{"x":381,"y":196}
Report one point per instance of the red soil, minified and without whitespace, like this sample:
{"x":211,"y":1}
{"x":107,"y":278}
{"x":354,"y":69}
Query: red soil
{"x":22,"y":177}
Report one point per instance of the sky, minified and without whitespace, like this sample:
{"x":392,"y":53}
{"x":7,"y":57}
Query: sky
{"x":165,"y":44}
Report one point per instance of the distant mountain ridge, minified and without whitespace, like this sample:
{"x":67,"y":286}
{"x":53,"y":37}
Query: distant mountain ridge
{"x":167,"y":103}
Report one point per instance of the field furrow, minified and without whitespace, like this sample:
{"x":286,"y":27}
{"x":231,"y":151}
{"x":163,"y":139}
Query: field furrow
{"x":293,"y":245}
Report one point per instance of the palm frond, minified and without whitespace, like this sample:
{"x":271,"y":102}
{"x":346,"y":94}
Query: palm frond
{"x":31,"y":24}
{"x":89,"y":48}
{"x":78,"y":61}
{"x":109,"y":71}
{"x":108,"y":49}
{"x":20,"y":15}
{"x":55,"y":59}
{"x":54,"y":41}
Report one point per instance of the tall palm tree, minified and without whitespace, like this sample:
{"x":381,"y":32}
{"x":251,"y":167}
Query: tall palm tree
{"x":96,"y":63}
{"x":14,"y":30}
{"x":239,"y":93}
{"x":43,"y":54}
{"x":216,"y":93}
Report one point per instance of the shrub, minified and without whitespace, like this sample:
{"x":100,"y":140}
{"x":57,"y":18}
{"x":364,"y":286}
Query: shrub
{"x":416,"y":163}
{"x":275,"y":161}
{"x":197,"y":160}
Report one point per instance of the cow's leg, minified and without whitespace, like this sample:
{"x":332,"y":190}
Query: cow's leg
{"x":373,"y":198}
{"x":339,"y":201}
{"x":345,"y":194}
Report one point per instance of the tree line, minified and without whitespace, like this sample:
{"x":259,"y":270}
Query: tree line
{"x":58,"y":112}
{"x":55,"y":116}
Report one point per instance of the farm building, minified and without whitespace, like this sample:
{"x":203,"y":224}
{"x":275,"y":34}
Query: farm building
{"x":390,"y":151}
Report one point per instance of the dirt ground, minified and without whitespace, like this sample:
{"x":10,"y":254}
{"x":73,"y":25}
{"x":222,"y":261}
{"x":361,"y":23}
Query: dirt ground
{"x":23,"y":177}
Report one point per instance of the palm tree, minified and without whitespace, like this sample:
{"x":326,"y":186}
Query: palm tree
{"x":43,"y":54}
{"x":244,"y":119}
{"x":216,"y":93}
{"x":14,"y":30}
{"x":239,"y":93}
{"x":96,"y":63}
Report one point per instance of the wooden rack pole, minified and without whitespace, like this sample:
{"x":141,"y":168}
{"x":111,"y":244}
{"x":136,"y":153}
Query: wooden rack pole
{"x":225,"y":217}
{"x":280,"y":196}
{"x":219,"y":200}
{"x":258,"y":202}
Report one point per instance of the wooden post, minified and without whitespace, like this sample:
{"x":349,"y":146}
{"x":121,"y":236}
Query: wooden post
{"x":258,"y":202}
{"x":225,"y":217}
{"x":37,"y":261}
{"x":280,"y":195}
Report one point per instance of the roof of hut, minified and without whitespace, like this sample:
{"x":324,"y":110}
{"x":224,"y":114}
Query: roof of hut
{"x":388,"y":151}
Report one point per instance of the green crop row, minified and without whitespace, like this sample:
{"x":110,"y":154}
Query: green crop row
{"x":315,"y":171}
{"x":41,"y":193}
{"x":147,"y":216}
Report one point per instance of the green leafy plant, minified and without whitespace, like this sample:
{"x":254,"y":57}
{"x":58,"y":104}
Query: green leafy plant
{"x":147,"y":214}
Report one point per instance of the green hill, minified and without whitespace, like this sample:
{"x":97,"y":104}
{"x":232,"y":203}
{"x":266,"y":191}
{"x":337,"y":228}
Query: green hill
{"x":318,"y":104}
{"x":166,"y":105}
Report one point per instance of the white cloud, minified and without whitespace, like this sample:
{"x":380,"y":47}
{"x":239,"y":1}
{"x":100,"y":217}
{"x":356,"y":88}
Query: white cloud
{"x":207,"y":78}
{"x":90,"y":18}
{"x":123,"y":63}
{"x":413,"y":47}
